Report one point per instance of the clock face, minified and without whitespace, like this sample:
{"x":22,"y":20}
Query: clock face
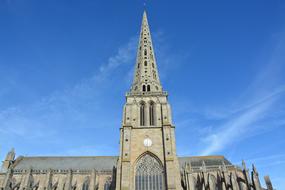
{"x":147,"y":142}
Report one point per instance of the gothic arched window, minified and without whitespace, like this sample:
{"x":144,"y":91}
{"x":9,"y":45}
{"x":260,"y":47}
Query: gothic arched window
{"x":143,"y":88}
{"x":107,"y":185}
{"x":149,"y":174}
{"x":142,"y":114}
{"x":85,"y":185}
{"x":151,"y":113}
{"x":148,"y":88}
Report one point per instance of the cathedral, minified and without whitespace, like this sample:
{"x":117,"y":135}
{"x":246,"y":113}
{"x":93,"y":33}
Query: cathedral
{"x":147,"y":159}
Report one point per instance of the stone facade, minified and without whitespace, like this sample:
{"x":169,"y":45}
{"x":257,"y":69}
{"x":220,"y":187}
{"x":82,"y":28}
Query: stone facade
{"x":147,"y":158}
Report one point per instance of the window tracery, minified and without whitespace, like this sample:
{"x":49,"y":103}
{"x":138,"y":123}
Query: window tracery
{"x":149,"y":174}
{"x":85,"y":185}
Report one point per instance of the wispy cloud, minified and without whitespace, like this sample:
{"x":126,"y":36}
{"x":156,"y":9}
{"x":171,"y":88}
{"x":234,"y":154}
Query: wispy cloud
{"x":267,"y":159}
{"x":239,"y":123}
{"x":256,"y":103}
{"x":82,"y":106}
{"x":125,"y":55}
{"x":236,"y":127}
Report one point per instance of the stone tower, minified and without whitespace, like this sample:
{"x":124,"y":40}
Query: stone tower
{"x":147,"y":157}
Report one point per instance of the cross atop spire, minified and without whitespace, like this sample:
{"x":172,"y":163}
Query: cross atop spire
{"x":146,"y":79}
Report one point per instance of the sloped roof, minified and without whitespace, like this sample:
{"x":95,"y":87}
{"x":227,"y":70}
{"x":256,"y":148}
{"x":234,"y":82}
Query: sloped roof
{"x":100,"y":163}
{"x":196,"y":161}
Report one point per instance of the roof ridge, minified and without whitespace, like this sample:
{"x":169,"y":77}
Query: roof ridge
{"x":68,"y":156}
{"x":211,"y":156}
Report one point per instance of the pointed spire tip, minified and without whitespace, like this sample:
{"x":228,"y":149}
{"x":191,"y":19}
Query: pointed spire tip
{"x":144,"y":13}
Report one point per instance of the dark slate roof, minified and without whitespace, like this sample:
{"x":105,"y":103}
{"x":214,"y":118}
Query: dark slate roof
{"x":196,"y":161}
{"x":100,"y":163}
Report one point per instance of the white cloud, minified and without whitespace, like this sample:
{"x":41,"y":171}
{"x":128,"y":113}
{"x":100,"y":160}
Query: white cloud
{"x":235,"y":128}
{"x":73,"y":108}
{"x":125,"y":55}
{"x":237,"y":121}
{"x":256,"y":102}
{"x":74,"y":105}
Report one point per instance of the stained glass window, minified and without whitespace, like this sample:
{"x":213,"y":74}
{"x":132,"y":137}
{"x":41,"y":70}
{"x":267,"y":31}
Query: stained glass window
{"x":149,"y":174}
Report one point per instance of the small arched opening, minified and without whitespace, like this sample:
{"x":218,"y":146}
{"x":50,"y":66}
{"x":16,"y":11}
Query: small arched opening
{"x":148,"y":88}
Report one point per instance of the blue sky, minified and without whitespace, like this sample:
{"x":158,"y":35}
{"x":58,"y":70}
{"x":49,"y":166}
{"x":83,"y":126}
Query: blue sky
{"x":65,"y":66}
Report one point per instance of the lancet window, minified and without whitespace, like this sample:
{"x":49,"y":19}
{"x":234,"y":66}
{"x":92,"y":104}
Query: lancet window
{"x":107,"y":185}
{"x":149,"y":174}
{"x":151,"y":114}
{"x":148,"y":88}
{"x":142,"y":114}
{"x":85,"y":185}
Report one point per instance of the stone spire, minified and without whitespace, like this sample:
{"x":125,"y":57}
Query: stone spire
{"x":146,"y":79}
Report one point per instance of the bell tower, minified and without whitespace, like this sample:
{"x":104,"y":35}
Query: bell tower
{"x":147,"y":157}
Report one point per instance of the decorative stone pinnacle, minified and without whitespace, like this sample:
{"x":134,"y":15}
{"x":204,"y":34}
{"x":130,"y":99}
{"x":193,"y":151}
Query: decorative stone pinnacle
{"x":243,"y":165}
{"x":254,"y":169}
